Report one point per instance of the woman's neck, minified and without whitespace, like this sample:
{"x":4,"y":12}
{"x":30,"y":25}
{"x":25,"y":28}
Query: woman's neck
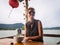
{"x":31,"y":20}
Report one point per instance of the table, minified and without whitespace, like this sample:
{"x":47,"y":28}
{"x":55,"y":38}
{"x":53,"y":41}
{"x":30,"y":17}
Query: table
{"x":29,"y":43}
{"x":7,"y":41}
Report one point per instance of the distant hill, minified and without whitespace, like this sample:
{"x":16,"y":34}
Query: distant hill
{"x":16,"y":25}
{"x":52,"y":28}
{"x":20,"y":25}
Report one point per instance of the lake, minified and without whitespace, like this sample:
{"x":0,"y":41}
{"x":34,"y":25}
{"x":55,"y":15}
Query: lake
{"x":6,"y":33}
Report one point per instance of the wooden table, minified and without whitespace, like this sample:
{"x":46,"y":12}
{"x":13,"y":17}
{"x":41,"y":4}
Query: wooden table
{"x":30,"y":43}
{"x":7,"y":41}
{"x":33,"y":43}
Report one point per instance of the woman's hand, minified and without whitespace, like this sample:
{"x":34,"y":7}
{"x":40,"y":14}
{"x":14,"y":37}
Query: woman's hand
{"x":27,"y":39}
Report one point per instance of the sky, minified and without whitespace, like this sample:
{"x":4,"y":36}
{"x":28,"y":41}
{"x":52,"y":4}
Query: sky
{"x":48,"y":11}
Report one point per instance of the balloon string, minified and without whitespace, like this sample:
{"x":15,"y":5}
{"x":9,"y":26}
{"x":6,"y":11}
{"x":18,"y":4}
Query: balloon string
{"x":10,"y":12}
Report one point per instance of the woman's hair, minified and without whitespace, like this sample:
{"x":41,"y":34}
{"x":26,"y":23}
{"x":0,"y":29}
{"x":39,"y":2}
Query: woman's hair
{"x":32,"y":9}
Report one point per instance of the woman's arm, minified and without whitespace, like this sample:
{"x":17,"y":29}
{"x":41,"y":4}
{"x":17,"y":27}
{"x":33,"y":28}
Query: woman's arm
{"x":40,"y":28}
{"x":25,"y":38}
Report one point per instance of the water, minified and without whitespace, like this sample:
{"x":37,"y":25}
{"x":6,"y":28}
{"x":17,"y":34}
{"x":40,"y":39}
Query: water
{"x":51,"y":32}
{"x":6,"y":33}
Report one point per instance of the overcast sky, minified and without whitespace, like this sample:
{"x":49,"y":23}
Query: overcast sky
{"x":48,"y":11}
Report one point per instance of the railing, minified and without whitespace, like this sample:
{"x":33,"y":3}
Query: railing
{"x":47,"y":35}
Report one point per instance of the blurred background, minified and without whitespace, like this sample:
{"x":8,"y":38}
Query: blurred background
{"x":48,"y":11}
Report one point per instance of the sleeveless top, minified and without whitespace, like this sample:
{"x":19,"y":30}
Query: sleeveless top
{"x":33,"y":31}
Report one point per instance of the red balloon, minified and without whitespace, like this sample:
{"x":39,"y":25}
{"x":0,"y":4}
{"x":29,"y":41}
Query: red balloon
{"x":14,"y":0}
{"x":13,"y":3}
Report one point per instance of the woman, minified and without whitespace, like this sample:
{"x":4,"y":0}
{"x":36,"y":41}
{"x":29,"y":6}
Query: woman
{"x":33,"y":28}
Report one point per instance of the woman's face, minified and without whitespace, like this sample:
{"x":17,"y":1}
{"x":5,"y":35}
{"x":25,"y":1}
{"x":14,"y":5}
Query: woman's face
{"x":31,"y":14}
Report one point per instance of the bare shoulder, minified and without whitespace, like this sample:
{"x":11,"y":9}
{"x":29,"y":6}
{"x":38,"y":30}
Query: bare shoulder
{"x":39,"y":22}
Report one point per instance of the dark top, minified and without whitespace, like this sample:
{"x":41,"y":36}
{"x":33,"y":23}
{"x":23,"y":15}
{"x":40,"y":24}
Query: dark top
{"x":33,"y":31}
